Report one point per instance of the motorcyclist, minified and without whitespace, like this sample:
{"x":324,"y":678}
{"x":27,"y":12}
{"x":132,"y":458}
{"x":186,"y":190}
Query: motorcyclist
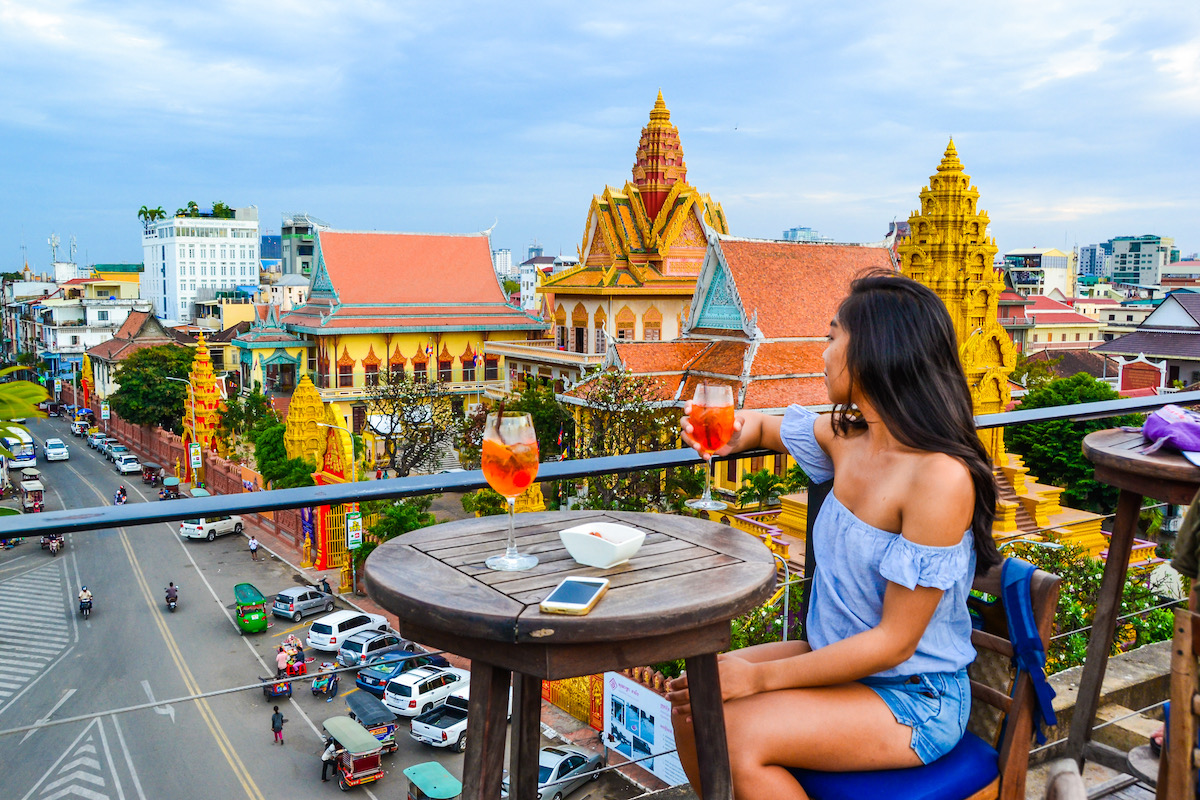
{"x":172,"y":591}
{"x":84,"y":595}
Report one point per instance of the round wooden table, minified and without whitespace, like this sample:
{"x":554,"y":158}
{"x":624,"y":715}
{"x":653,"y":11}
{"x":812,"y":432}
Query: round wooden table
{"x":1166,"y":476}
{"x":673,"y":599}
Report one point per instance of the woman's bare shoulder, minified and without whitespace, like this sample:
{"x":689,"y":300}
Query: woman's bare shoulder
{"x":823,"y":431}
{"x":940,"y":502}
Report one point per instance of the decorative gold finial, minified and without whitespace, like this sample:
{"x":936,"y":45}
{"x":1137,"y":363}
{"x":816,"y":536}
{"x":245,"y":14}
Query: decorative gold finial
{"x":660,"y":113}
{"x":950,"y":162}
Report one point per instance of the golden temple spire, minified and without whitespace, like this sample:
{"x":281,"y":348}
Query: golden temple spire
{"x":660,"y":113}
{"x":950,"y":162}
{"x":659,"y":161}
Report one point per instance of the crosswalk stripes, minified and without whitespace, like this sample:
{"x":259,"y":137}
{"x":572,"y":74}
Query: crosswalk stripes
{"x":80,"y":770}
{"x":34,"y":626}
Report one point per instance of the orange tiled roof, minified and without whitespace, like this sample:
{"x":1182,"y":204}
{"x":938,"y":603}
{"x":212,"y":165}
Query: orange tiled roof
{"x":649,"y":357}
{"x":789,"y":358}
{"x":796,"y":286}
{"x":782,"y":392}
{"x":721,"y":358}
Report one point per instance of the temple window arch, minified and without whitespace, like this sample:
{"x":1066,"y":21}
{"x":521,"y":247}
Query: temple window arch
{"x":345,"y":369}
{"x":560,"y":326}
{"x":652,"y":325}
{"x":601,"y":343}
{"x":579,"y":328}
{"x":626,"y":321}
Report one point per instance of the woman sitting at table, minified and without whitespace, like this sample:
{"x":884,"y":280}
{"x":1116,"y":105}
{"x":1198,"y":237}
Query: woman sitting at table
{"x":882,"y":681}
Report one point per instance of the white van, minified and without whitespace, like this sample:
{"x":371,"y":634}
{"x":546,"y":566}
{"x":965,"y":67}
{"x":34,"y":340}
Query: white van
{"x":210,"y":527}
{"x":331,"y":630}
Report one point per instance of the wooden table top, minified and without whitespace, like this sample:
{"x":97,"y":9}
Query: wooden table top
{"x":688,"y":573}
{"x":1164,"y":475}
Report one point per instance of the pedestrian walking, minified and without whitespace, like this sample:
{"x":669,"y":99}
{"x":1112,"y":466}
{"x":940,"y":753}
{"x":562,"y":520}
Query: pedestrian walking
{"x":379,"y":473}
{"x":329,"y":758}
{"x":253,"y":548}
{"x":277,"y":720}
{"x":281,"y":662}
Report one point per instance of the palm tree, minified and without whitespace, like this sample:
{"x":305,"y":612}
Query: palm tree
{"x":144,"y":214}
{"x":193,"y":209}
{"x":158,"y":213}
{"x":762,"y":487}
{"x":179,"y":212}
{"x":796,"y":478}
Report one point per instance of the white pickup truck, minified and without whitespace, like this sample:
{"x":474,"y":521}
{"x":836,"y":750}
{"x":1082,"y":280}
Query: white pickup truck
{"x":444,"y":725}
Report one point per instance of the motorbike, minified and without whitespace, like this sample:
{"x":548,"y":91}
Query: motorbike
{"x":326,"y":683}
{"x":85,"y":608}
{"x":172,"y":602}
{"x":119,"y":500}
{"x":54,"y":545}
{"x":154,"y":480}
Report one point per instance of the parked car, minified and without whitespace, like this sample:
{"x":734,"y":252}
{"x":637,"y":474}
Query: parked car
{"x":127,"y":463}
{"x":297,"y":601}
{"x":381,"y":669}
{"x":418,"y":690}
{"x":446,"y":725}
{"x":557,"y":764}
{"x":210,"y":527}
{"x":113,"y":450}
{"x":79,"y":427}
{"x":56,"y":450}
{"x":330,"y":631}
{"x":96,"y":439}
{"x":362,"y":646}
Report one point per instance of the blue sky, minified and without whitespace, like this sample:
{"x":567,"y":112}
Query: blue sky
{"x":1076,"y":120}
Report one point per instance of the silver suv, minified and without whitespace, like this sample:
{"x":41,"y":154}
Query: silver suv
{"x":297,"y":601}
{"x":366,"y":645}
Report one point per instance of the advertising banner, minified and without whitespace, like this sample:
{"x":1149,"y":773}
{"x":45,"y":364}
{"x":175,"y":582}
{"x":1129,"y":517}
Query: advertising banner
{"x":354,"y":530}
{"x":194,"y":455}
{"x":104,"y":410}
{"x":637,"y":723}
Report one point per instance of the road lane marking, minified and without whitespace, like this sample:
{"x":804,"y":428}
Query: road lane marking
{"x":9,"y":565}
{"x":31,"y":639}
{"x":108,"y":757}
{"x":289,"y":630}
{"x":82,"y":759}
{"x":137,"y":784}
{"x":214,"y":726}
{"x":163,"y":710}
{"x":50,"y":713}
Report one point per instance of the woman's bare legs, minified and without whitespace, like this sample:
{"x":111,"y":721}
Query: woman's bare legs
{"x":837,"y":728}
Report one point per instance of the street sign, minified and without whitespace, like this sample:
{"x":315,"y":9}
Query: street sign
{"x":57,"y":386}
{"x":194,"y":455}
{"x":354,"y":533}
{"x":104,"y":410}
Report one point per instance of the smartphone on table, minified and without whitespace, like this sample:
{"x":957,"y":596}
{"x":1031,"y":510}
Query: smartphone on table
{"x":575,"y":595}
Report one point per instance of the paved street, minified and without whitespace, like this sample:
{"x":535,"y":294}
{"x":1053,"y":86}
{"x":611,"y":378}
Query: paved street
{"x":55,"y":665}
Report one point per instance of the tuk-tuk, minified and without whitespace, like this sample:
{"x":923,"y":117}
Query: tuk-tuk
{"x":251,"y":612}
{"x":368,"y":711}
{"x":199,"y":493}
{"x":30,"y":474}
{"x":274,"y":688}
{"x":170,"y":489}
{"x":150,"y":471}
{"x":32,"y":495}
{"x":431,"y":781}
{"x":359,"y":761}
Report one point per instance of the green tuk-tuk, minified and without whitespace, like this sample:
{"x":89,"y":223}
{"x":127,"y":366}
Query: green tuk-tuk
{"x":361,"y":756}
{"x":378,"y":719}
{"x":251,"y":613}
{"x":170,"y":489}
{"x":199,"y":492}
{"x":431,"y":781}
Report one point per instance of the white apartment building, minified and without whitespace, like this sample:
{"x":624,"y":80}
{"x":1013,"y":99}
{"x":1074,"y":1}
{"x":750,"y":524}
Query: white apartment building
{"x":185,"y":254}
{"x":1041,"y":270}
{"x":1140,"y":260}
{"x":503,"y":264}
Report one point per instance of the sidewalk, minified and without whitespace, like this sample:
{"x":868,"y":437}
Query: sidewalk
{"x":557,"y":725}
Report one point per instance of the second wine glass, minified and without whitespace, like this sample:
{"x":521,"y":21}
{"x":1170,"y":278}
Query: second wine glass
{"x":712,"y":426}
{"x":510,"y":463}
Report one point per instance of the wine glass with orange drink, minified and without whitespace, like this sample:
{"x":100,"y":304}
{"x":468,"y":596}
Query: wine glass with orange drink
{"x":510,"y":463}
{"x":711,"y":416}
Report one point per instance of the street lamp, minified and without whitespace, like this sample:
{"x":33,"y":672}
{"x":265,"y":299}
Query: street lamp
{"x":353,"y":479}
{"x":192,"y":394}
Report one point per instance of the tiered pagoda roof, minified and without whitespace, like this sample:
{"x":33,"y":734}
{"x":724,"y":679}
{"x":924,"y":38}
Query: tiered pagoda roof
{"x":404,"y":282}
{"x":651,"y":234}
{"x":758,"y":322}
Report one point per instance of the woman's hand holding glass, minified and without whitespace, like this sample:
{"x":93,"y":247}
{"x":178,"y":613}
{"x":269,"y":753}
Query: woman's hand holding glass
{"x":686,"y":430}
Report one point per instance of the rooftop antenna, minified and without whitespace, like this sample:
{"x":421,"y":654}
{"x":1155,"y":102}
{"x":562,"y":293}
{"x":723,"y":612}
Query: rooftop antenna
{"x":53,"y":241}
{"x":73,"y":248}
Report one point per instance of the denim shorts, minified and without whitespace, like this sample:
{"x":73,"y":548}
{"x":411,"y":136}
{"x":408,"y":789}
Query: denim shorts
{"x":935,"y":705}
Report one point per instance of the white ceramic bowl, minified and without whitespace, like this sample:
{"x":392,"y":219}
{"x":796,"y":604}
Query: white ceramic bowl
{"x":614,"y":545}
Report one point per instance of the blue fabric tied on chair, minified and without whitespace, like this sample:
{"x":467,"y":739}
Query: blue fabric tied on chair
{"x":973,"y":763}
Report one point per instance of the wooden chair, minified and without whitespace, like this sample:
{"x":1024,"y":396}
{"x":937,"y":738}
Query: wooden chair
{"x":1178,"y":764}
{"x":992,"y":759}
{"x":1063,"y":781}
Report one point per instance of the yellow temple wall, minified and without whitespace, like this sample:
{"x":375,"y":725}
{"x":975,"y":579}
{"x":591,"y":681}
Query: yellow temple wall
{"x":672,"y":309}
{"x":361,"y":345}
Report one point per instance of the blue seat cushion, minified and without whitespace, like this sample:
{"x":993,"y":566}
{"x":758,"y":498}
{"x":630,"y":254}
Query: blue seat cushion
{"x":966,"y":769}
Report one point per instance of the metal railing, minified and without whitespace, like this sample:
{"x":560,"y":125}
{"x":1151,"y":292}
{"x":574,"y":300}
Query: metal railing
{"x":395,"y":488}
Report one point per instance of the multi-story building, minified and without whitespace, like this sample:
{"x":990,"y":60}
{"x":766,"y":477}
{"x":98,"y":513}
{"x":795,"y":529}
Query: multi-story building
{"x":83,"y":313}
{"x":503,"y":264}
{"x":1040,"y":270}
{"x":1093,"y":259}
{"x":298,"y":243}
{"x":1058,"y":326}
{"x":186,"y":254}
{"x":1141,"y":260}
{"x":802,"y":234}
{"x":533,"y":271}
{"x":1169,"y":335}
{"x":21,"y":326}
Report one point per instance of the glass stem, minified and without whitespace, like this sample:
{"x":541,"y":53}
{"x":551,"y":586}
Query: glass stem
{"x":708,"y":468}
{"x":511,"y":550}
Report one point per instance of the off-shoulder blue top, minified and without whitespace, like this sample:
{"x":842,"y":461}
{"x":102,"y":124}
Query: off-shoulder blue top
{"x":855,"y":562}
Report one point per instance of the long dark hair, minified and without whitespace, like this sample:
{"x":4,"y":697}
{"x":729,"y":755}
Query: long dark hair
{"x":903,"y":355}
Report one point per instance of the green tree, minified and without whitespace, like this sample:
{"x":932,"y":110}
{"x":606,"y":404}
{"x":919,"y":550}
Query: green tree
{"x":762,"y":487}
{"x":144,"y":214}
{"x":1053,"y":450}
{"x":469,"y":441}
{"x":221,"y":211}
{"x":396,"y":518}
{"x":1035,"y":373}
{"x":485,"y":503}
{"x":145,"y":396}
{"x":18,"y":400}
{"x":796,"y":479}
{"x":415,"y":419}
{"x":271,"y":459}
{"x":549,"y":418}
{"x":511,"y":286}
